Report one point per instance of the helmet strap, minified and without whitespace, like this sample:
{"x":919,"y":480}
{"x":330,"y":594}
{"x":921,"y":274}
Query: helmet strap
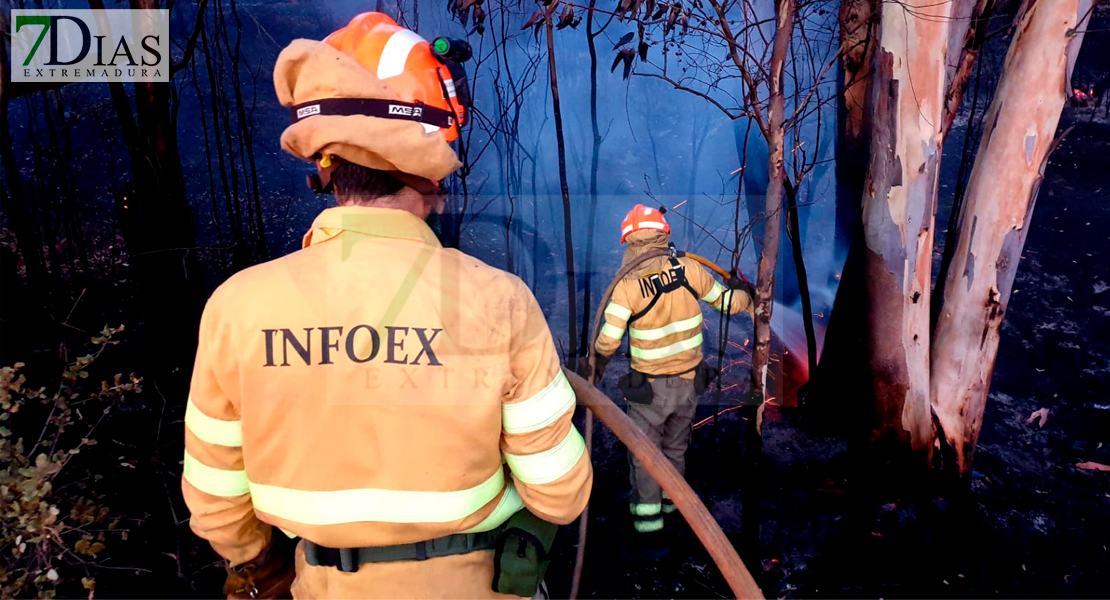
{"x":374,"y":107}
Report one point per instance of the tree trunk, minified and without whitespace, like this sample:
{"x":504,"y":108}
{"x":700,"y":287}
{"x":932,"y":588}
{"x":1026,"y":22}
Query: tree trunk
{"x":765,"y":283}
{"x":857,"y":40}
{"x":585,"y":333}
{"x":844,"y":344}
{"x":969,"y":31}
{"x":15,"y":204}
{"x":994,"y":220}
{"x":794,"y":232}
{"x":899,"y":204}
{"x":973,"y":32}
{"x":572,"y":292}
{"x":595,"y":157}
{"x":698,"y":136}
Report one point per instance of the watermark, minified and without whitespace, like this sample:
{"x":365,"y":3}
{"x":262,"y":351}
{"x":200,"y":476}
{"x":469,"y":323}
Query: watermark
{"x":93,"y":46}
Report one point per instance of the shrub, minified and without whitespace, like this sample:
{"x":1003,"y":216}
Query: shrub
{"x":48,"y":538}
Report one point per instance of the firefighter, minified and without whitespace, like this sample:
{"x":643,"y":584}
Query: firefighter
{"x":393,"y":404}
{"x":657,"y":303}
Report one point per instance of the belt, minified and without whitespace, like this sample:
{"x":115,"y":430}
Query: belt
{"x":348,"y":560}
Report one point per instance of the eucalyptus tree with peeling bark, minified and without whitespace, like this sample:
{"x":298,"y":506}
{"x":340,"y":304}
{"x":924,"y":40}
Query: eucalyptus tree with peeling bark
{"x":899,"y":204}
{"x":995,"y":216}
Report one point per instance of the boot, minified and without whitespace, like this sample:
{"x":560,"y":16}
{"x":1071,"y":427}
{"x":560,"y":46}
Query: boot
{"x":646,"y":547}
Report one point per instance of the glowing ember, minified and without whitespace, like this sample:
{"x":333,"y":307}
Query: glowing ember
{"x":1082,"y":95}
{"x":710,"y":418}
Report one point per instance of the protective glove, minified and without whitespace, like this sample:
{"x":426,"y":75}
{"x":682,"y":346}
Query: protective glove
{"x":600,"y":362}
{"x":735,"y":282}
{"x":269,"y":575}
{"x":583,"y":368}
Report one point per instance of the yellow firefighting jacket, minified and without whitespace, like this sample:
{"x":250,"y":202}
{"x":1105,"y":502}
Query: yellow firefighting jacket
{"x":375,"y":389}
{"x":659,"y":308}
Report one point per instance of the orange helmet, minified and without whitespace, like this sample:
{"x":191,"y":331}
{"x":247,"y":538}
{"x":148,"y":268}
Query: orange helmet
{"x":643,"y":217}
{"x":404,"y":62}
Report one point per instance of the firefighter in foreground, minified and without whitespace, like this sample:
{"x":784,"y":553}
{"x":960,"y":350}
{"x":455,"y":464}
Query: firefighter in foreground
{"x":363,"y":393}
{"x":657,"y":303}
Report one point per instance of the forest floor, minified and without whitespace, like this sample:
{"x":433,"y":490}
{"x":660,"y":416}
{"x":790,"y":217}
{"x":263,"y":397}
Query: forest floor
{"x":1032,"y":524}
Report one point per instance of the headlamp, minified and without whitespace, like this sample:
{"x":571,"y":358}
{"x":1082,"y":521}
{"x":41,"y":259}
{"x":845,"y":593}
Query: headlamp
{"x":449,"y":49}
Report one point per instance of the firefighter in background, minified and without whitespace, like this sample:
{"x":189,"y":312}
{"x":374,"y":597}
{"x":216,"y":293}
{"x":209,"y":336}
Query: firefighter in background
{"x":657,"y":303}
{"x":390,"y":402}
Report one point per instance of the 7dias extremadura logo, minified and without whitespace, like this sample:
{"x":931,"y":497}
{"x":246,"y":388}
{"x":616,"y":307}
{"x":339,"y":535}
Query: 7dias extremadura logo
{"x":90,"y":45}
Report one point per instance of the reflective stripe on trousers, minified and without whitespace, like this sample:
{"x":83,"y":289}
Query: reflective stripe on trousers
{"x":646,"y":517}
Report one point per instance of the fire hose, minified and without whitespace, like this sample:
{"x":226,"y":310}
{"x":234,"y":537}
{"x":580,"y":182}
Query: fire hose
{"x":660,"y":468}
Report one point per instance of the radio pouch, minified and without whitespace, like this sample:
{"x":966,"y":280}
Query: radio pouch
{"x":522,"y":554}
{"x":636,"y":387}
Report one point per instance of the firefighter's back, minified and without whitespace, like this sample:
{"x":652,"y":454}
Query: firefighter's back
{"x":390,"y":402}
{"x":370,"y":370}
{"x":662,"y":298}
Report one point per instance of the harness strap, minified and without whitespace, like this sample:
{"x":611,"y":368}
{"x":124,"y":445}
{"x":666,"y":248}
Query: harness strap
{"x":348,"y":560}
{"x":374,"y":107}
{"x":679,"y":282}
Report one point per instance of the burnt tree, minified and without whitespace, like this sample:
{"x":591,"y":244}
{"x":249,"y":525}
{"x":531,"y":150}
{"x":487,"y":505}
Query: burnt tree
{"x":158,"y":223}
{"x":839,"y":365}
{"x":564,"y":188}
{"x":899,"y":203}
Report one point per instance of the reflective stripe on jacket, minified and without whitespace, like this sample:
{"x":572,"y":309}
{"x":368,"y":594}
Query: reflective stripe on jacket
{"x":370,"y":389}
{"x":667,"y":338}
